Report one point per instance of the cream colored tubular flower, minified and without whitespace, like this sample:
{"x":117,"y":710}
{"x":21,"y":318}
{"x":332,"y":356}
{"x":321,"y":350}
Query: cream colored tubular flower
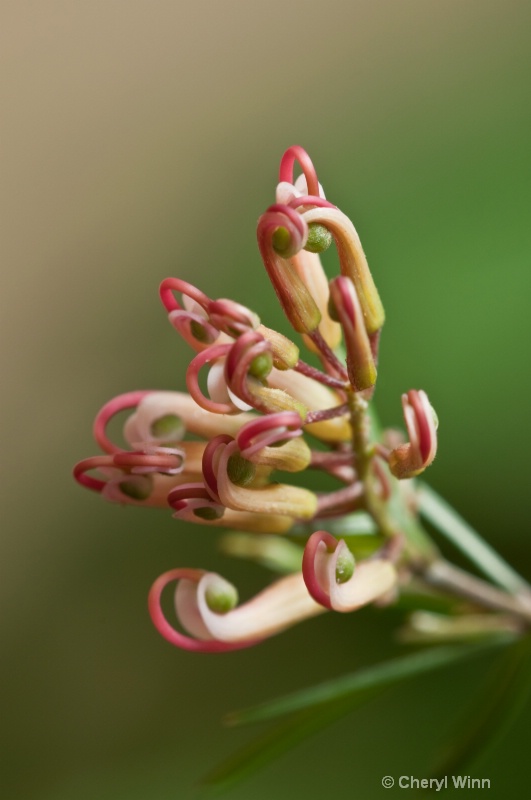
{"x":192,"y":502}
{"x":317,"y":397}
{"x":306,"y":262}
{"x":345,"y":307}
{"x":409,"y":460}
{"x":352,"y":261}
{"x":234,"y":486}
{"x":206,"y":606}
{"x":159,"y":411}
{"x":136,"y":477}
{"x":335,"y":580}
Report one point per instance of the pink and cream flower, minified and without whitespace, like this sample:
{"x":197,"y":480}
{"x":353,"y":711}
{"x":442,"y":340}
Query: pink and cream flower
{"x":228,"y":456}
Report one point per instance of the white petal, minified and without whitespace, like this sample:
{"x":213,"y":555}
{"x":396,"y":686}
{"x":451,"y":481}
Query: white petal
{"x":279,"y":606}
{"x":302,"y":187}
{"x":371,"y":580}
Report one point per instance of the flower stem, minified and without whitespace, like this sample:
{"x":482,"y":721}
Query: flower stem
{"x":443,"y":575}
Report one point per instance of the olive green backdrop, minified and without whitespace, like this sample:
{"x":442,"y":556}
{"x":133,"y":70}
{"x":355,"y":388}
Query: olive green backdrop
{"x":140,"y":140}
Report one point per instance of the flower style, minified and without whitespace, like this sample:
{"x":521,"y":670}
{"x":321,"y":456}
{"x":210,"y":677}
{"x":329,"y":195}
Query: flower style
{"x":212,"y":455}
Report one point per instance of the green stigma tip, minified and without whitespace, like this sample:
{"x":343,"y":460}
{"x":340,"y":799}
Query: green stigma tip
{"x":207,"y":513}
{"x":281,"y":240}
{"x":261,"y":366}
{"x":345,"y":566}
{"x":332,"y":310}
{"x":136,"y":489}
{"x":199,"y":332}
{"x":170,"y":427}
{"x":240,"y":471}
{"x":221,"y":598}
{"x":319,"y":238}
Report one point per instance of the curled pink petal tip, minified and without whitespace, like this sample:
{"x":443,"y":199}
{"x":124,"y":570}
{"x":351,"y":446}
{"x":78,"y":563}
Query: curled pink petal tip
{"x":171,"y":634}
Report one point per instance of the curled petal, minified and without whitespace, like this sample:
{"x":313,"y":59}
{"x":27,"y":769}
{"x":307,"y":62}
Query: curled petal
{"x":109,"y":410}
{"x":157,"y":409}
{"x":334,"y":581}
{"x":410,"y":459}
{"x":346,"y":305}
{"x":275,"y":441}
{"x":232,"y":318}
{"x":316,"y":397}
{"x":192,"y":379}
{"x":249,"y":350}
{"x":296,"y":300}
{"x":185,"y":576}
{"x":218,"y":389}
{"x":352,"y":261}
{"x":122,"y":485}
{"x":169,"y":301}
{"x":195,"y":329}
{"x":267,"y":431}
{"x":319,"y":542}
{"x":278,"y":607}
{"x":247,"y":366}
{"x":273,"y":499}
{"x":299,"y":200}
{"x":296,"y":195}
{"x":160,"y":459}
{"x":210,"y":464}
{"x":193,"y":503}
{"x":82,"y":468}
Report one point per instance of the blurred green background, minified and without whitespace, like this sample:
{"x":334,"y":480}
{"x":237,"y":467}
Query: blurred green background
{"x":140,"y":140}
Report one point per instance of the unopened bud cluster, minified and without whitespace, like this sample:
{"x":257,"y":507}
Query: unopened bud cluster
{"x":223,"y":456}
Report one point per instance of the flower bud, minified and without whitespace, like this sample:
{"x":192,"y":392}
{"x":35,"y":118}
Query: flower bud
{"x":345,"y":307}
{"x":409,"y":460}
{"x":329,"y":574}
{"x":205,"y":604}
{"x":352,"y":261}
{"x":274,"y":498}
{"x":285,"y":352}
{"x":153,"y":406}
{"x":270,"y":441}
{"x":231,"y":318}
{"x":282,"y":233}
{"x":221,"y":596}
{"x":319,"y":238}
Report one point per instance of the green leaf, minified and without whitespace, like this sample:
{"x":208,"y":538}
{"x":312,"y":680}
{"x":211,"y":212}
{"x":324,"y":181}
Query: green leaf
{"x":443,"y":517}
{"x":324,"y":704}
{"x":494,"y":710}
{"x":379,"y":675}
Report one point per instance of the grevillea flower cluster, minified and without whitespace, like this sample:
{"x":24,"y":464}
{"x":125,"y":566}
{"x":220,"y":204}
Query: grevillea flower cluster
{"x":222,"y":454}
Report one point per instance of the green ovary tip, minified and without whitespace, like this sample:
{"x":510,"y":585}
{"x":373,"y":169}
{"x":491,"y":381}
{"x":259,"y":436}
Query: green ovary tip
{"x":170,"y":427}
{"x":222,"y":597}
{"x":319,"y":238}
{"x":345,"y":566}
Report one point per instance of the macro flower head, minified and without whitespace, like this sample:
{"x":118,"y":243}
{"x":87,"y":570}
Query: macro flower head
{"x":261,"y":407}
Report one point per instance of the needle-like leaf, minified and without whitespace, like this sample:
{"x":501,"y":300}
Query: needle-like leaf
{"x":379,"y":675}
{"x":494,"y":710}
{"x":316,"y":708}
{"x":448,"y":522}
